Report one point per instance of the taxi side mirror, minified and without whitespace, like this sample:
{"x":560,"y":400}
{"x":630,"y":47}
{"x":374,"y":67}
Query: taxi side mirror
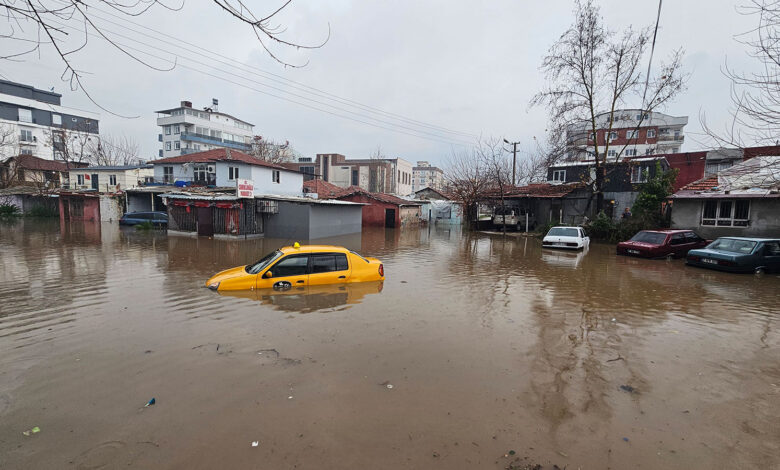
{"x":268,"y":275}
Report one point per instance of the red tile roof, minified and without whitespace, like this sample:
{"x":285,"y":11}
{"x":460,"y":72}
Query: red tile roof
{"x":382,"y":197}
{"x":29,"y":162}
{"x":704,"y":184}
{"x":323,"y":189}
{"x":543,"y":190}
{"x":218,"y":155}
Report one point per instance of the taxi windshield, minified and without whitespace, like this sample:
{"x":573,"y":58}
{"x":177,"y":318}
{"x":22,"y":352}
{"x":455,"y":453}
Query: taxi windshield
{"x":265,"y":261}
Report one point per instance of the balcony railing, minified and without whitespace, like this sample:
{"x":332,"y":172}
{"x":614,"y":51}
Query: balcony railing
{"x":207,"y":139}
{"x":671,"y":137}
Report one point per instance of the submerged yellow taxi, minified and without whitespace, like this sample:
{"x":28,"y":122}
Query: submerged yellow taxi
{"x":297,"y":266}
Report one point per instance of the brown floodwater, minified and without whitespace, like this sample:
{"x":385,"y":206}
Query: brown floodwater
{"x":491,"y":345}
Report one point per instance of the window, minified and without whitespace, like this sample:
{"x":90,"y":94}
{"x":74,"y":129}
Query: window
{"x":177,"y":129}
{"x":275,"y":176}
{"x":558,"y":176}
{"x":25,"y":115}
{"x":726,"y":213}
{"x":291,"y":266}
{"x":112,"y":180}
{"x":177,"y":145}
{"x":771,"y":248}
{"x":733,"y":245}
{"x":167,"y":130}
{"x":304,"y":160}
{"x":80,"y":180}
{"x":329,"y":263}
{"x":167,"y":174}
{"x":591,"y":136}
{"x":651,"y":133}
{"x":678,"y":239}
{"x":26,"y":136}
{"x":631,"y":152}
{"x":612,"y":153}
{"x":355,"y":178}
{"x":233,"y":173}
{"x":56,"y":119}
{"x":639,"y":174}
{"x":613,"y":136}
{"x":25,"y":151}
{"x":632,"y":134}
{"x":691,"y":237}
{"x":168,"y":145}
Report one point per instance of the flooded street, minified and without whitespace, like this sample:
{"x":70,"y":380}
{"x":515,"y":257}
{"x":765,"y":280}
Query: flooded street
{"x":491,"y":345}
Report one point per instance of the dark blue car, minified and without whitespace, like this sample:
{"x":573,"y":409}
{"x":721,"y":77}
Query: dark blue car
{"x":738,"y":254}
{"x":135,"y":218}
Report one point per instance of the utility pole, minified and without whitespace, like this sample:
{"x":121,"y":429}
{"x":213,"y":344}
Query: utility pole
{"x":514,"y":158}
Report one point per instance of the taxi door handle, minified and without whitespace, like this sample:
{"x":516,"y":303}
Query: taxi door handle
{"x":300,"y":282}
{"x":342,"y":277}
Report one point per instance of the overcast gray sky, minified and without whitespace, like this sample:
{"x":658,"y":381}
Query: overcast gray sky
{"x":462,"y":65}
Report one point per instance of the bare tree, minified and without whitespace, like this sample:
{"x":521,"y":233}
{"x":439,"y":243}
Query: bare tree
{"x":498,"y":168}
{"x":272,"y":152}
{"x":755,"y":111}
{"x":36,"y":24}
{"x":72,"y":145}
{"x":377,"y":179}
{"x":9,"y":142}
{"x":467,"y":181}
{"x":108,"y":150}
{"x":592,"y":72}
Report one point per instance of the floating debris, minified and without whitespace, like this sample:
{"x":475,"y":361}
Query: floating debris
{"x":32,"y":431}
{"x":150,"y":403}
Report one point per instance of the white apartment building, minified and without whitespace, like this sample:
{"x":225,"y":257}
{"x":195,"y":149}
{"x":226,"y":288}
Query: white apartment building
{"x":657,"y":133}
{"x":33,"y":122}
{"x":186,"y":130}
{"x":426,"y":176}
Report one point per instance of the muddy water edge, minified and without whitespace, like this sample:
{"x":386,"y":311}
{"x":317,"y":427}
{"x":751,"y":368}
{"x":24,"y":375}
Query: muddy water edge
{"x":491,"y":345}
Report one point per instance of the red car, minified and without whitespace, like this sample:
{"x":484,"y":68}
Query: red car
{"x":661,"y":244}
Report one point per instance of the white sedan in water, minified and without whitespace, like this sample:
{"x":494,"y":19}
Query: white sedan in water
{"x":572,"y":238}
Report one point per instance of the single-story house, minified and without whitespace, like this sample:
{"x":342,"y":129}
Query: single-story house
{"x":305,"y":218}
{"x":147,"y":198}
{"x":321,"y":189}
{"x":383,"y":210}
{"x":539,"y":204}
{"x":27,"y":170}
{"x":742,"y":200}
{"x":30,"y":199}
{"x":214,"y":214}
{"x":111,"y":178}
{"x":223,"y":168}
{"x":430,"y":194}
{"x":90,"y":206}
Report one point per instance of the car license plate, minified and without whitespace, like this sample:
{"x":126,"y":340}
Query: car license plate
{"x":633,"y":252}
{"x":559,"y":244}
{"x":709,"y":261}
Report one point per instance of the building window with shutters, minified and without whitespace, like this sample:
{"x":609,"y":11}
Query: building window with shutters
{"x":275,"y":176}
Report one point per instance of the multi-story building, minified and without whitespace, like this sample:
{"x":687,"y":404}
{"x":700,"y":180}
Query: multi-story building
{"x":382,"y":175}
{"x":426,"y":176}
{"x":657,"y":133}
{"x":186,"y":130}
{"x":33,"y":122}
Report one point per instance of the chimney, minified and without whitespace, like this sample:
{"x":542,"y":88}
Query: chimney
{"x":215,"y":104}
{"x":227,"y":154}
{"x":186,"y":104}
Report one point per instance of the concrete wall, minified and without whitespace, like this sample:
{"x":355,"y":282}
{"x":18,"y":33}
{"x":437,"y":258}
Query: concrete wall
{"x":290,"y":182}
{"x":334,"y":220}
{"x":111,"y":208}
{"x":410,"y":215}
{"x":223,"y":173}
{"x":182,"y":172}
{"x":291,"y":223}
{"x":764,"y":219}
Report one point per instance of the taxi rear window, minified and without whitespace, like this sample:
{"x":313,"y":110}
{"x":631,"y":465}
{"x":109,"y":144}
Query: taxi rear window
{"x":358,"y":255}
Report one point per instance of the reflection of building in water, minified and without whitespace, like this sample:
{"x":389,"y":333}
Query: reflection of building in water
{"x":310,"y":298}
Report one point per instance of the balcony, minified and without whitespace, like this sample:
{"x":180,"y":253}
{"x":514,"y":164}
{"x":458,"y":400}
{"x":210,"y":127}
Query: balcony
{"x":670,"y":138}
{"x":207,"y":139}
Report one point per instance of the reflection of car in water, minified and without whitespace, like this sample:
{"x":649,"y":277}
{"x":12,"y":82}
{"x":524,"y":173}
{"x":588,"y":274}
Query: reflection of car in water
{"x":310,"y":298}
{"x":564,"y":259}
{"x":572,"y":238}
{"x":661,"y":243}
{"x":738,"y":254}
{"x":299,"y":266}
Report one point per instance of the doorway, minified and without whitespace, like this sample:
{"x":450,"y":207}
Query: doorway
{"x":390,"y":218}
{"x":95,"y":182}
{"x":205,"y":221}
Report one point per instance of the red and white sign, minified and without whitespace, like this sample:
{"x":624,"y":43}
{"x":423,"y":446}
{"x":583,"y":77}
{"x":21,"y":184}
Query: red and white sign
{"x":245,"y":188}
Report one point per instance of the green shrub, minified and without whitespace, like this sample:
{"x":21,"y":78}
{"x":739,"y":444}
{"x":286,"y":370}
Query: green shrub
{"x":42,"y":211}
{"x":9,"y":210}
{"x":546,"y":228}
{"x":601,"y":227}
{"x":144,"y":226}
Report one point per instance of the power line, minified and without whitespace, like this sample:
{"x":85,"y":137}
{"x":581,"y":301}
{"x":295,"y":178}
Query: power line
{"x":432,"y":136}
{"x":273,"y":77}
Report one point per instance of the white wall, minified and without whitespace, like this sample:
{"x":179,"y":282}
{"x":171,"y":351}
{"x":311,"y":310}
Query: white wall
{"x":405,"y":168}
{"x":124,"y":178}
{"x":290,"y":182}
{"x":223,"y":173}
{"x":183,"y":172}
